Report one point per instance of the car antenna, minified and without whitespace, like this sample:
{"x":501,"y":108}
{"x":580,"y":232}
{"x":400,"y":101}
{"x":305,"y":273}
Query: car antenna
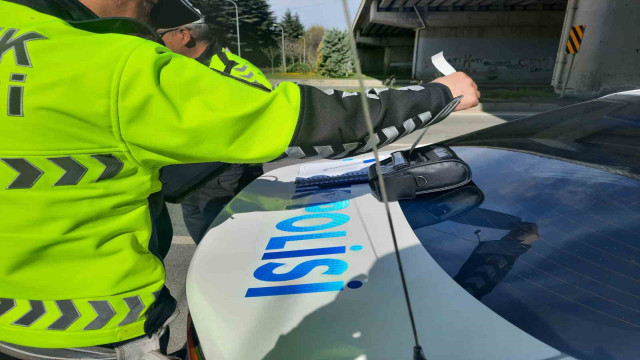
{"x":418,"y":354}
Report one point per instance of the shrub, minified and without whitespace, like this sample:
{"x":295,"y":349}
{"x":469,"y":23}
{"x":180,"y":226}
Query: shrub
{"x":299,"y":68}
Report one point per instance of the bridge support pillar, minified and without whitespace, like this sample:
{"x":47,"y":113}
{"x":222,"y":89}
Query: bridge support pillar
{"x":610,"y":52}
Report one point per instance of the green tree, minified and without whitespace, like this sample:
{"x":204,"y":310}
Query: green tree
{"x":334,"y":57}
{"x":292,"y":26}
{"x":256,"y":26}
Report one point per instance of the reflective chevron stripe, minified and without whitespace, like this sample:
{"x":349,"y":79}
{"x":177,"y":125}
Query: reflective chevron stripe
{"x":97,"y":313}
{"x":104,"y":312}
{"x":36,"y":312}
{"x":424,"y":117}
{"x":69,"y":315}
{"x":381,"y":138}
{"x":391,"y":133}
{"x":412,"y":88}
{"x":348,"y":148}
{"x":6,"y":305}
{"x":28,"y":174}
{"x":295,"y":152}
{"x":136,"y":306}
{"x":112,"y":166}
{"x":409,"y":126}
{"x":74,"y":171}
{"x":247,"y":76}
{"x":370,"y":143}
{"x":324,"y":151}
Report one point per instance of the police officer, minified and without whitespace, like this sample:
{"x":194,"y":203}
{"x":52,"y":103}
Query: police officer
{"x":204,"y":189}
{"x":195,"y":41}
{"x":89,"y":118}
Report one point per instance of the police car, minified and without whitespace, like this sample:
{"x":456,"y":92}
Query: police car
{"x":537,"y":258}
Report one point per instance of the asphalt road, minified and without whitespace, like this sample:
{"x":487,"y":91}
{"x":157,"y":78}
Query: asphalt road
{"x":177,"y":262}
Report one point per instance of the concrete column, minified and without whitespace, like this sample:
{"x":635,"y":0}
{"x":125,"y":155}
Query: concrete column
{"x":610,"y":52}
{"x":387,"y":61}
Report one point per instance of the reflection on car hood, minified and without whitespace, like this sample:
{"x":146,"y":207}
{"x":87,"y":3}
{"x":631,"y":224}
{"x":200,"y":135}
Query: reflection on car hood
{"x":554,"y":248}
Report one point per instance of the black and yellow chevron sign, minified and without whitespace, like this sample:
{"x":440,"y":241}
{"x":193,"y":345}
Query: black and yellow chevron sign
{"x":575,"y":39}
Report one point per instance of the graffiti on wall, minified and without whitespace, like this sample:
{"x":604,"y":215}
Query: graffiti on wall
{"x":493,"y":69}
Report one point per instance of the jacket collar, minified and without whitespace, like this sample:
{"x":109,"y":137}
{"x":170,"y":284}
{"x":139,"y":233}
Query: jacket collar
{"x":209,"y":52}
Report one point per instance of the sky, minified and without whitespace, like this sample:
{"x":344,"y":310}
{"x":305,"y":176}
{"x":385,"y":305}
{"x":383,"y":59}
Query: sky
{"x":327,"y":13}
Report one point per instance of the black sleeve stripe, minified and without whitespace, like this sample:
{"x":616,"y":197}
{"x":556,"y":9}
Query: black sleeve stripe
{"x":335,"y":132}
{"x":228,"y":64}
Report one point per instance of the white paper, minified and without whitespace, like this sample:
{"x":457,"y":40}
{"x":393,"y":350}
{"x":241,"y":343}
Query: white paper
{"x":333,"y":168}
{"x":441,"y":64}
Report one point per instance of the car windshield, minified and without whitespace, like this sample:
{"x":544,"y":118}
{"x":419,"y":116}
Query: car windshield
{"x":548,"y":234}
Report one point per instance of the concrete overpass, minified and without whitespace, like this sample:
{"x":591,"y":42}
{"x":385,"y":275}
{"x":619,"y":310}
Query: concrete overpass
{"x":498,"y":41}
{"x":503,"y":42}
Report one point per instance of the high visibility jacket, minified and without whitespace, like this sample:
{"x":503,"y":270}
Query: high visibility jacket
{"x":234,"y":65}
{"x":86,"y":122}
{"x":182,"y":180}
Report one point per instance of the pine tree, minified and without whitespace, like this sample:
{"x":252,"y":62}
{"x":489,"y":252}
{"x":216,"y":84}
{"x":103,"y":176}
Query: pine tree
{"x":292,"y":26}
{"x":256,"y":26}
{"x":334,"y":57}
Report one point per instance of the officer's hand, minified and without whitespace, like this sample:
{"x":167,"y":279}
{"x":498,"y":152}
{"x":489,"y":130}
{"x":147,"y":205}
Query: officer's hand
{"x":461,"y":84}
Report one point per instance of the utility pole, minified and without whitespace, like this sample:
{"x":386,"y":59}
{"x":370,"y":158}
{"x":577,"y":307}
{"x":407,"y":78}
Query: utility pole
{"x":284,"y":59}
{"x":304,"y":49}
{"x":237,"y":26}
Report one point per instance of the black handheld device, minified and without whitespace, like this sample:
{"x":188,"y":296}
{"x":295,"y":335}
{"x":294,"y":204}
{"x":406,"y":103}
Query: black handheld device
{"x":427,"y":169}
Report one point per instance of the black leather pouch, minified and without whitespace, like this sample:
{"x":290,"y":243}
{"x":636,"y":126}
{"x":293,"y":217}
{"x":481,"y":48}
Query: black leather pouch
{"x":425,"y":170}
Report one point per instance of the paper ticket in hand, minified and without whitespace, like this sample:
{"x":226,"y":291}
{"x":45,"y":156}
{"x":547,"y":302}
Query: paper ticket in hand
{"x":441,"y":64}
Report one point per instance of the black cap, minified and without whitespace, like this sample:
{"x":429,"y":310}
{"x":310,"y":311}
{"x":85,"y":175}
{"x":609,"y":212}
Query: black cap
{"x":173,"y":13}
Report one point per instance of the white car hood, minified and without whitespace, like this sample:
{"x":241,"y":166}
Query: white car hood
{"x":370,"y":322}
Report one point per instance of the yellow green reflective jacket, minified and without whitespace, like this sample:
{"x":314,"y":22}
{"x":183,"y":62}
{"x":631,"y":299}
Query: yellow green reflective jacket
{"x":232,"y":64}
{"x":87,"y":119}
{"x":182,"y":180}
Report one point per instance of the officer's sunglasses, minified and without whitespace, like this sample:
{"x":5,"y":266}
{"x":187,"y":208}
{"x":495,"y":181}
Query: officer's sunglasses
{"x":165,"y":32}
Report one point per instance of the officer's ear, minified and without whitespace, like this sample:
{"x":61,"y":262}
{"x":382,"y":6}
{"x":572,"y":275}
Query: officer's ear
{"x":185,"y":37}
